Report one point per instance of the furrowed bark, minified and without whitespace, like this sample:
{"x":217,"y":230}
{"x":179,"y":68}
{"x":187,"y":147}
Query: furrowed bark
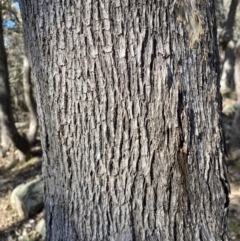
{"x":129,"y":109}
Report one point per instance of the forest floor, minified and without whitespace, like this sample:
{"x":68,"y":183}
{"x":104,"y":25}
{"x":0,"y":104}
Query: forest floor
{"x":13,"y":173}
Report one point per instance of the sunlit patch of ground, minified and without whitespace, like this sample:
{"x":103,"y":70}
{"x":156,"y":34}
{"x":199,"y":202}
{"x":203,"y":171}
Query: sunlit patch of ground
{"x":13,"y":173}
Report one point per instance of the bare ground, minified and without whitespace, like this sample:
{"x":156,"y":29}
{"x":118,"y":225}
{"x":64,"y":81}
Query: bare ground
{"x":12,"y":174}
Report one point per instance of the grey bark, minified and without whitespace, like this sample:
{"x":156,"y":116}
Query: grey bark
{"x":129,"y":109}
{"x":8,"y":127}
{"x":30,"y":101}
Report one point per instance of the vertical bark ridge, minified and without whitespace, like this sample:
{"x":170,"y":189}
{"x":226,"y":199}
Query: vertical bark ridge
{"x":130,"y":121}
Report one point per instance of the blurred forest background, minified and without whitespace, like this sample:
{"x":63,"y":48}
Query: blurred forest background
{"x":21,"y":197}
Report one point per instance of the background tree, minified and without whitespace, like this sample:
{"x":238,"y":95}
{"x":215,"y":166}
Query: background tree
{"x":235,"y":138}
{"x":8,"y":127}
{"x":129,"y":106}
{"x":227,"y":45}
{"x":29,"y":100}
{"x":19,"y":75}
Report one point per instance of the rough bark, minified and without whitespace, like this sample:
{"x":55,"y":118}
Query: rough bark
{"x":129,"y":109}
{"x":6,"y":118}
{"x":30,"y":101}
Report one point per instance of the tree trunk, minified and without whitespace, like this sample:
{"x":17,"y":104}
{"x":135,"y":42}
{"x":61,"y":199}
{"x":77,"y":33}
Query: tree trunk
{"x":235,"y":139}
{"x":227,"y":44}
{"x":129,"y":108}
{"x":227,"y":32}
{"x":6,"y":118}
{"x":30,"y":101}
{"x":227,"y":72}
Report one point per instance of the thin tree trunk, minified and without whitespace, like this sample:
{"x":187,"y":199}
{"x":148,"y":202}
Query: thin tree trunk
{"x":129,"y":108}
{"x":227,"y":32}
{"x":235,"y":139}
{"x":228,"y":46}
{"x":227,"y":74}
{"x":29,"y":100}
{"x":231,"y":16}
{"x":7,"y":122}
